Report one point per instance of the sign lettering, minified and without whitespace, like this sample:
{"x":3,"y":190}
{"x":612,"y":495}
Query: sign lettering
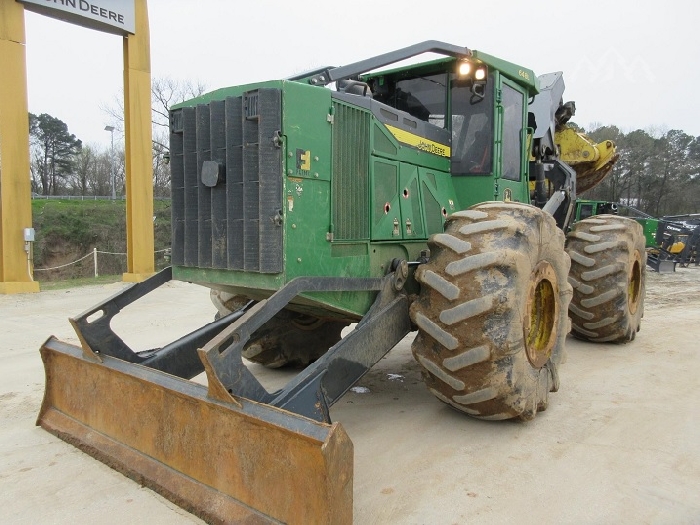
{"x":111,"y":16}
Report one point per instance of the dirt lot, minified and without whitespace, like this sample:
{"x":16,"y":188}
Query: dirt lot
{"x":620,"y":442}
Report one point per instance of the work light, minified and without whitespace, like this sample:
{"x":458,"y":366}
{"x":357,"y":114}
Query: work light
{"x":476,"y":72}
{"x":464,"y":69}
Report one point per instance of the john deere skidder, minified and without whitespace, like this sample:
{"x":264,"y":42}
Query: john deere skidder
{"x":430,"y":197}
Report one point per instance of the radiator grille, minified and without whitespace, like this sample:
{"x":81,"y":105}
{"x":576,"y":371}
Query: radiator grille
{"x":350,"y":186}
{"x":236,"y":222}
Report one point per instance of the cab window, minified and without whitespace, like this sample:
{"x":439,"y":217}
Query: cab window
{"x":512,"y":133}
{"x":424,"y":97}
{"x":472,"y":129}
{"x":585,"y":211}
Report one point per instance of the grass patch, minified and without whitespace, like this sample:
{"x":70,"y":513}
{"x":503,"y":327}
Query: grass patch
{"x":67,"y":230}
{"x":80,"y":281}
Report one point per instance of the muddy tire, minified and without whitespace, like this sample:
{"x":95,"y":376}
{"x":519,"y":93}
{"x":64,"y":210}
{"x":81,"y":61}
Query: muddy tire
{"x":492,"y":311}
{"x":292,"y":339}
{"x":288,"y":339}
{"x":608,"y":269}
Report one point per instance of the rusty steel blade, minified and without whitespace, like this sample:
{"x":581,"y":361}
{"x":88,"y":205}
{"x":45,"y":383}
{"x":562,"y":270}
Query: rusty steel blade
{"x":224,"y":463}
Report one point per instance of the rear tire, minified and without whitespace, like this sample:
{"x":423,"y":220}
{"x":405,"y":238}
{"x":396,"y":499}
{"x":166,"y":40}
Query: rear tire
{"x":292,"y":339}
{"x":492,"y":311}
{"x":288,"y":339}
{"x":608,"y":271}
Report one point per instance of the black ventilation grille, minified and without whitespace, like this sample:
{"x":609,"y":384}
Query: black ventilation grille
{"x":350,"y":185}
{"x":236,"y":223}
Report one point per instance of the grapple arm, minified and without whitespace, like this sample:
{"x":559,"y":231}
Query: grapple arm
{"x":592,"y":162}
{"x":555,"y":139}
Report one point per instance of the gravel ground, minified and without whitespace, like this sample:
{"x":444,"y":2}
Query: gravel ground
{"x":619,"y":443}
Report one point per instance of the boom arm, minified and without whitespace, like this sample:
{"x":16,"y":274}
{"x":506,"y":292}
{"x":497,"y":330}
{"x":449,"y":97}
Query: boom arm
{"x":592,"y":162}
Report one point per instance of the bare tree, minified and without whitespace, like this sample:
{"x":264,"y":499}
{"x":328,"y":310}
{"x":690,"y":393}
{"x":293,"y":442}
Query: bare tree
{"x":165,"y":92}
{"x":85,"y":168}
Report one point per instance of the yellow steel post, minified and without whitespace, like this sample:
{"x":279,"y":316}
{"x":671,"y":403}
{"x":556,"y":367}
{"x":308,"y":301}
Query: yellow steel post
{"x":15,"y":186}
{"x":138,"y":156}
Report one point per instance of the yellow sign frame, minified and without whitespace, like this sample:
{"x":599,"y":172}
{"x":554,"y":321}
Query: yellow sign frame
{"x":15,"y":186}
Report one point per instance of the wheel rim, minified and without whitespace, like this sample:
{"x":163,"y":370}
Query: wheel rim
{"x":634,"y":286}
{"x":542,"y":312}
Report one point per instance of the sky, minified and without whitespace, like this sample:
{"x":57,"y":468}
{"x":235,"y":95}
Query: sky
{"x":633,"y":64}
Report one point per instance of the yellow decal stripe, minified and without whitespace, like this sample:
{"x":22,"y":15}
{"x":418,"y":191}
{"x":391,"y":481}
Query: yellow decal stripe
{"x":423,"y":144}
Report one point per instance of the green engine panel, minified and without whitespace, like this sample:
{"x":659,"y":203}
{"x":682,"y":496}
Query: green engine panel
{"x":363,"y":184}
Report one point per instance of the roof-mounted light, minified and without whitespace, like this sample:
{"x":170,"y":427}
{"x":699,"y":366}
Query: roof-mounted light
{"x":472,"y":70}
{"x":464,"y":69}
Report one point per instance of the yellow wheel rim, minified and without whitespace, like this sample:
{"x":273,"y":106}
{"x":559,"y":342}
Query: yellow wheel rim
{"x":542,"y":312}
{"x":634,"y":286}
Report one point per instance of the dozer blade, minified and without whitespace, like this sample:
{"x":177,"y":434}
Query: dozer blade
{"x":225,"y":462}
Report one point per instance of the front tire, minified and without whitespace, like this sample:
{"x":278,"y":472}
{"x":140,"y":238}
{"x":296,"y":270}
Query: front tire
{"x":608,"y":271}
{"x":492,"y":311}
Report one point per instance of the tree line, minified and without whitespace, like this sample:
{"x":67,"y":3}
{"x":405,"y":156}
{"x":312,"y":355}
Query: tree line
{"x":658,"y":172}
{"x":61,"y":164}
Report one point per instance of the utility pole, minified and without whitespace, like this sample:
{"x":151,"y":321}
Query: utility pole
{"x":111,"y":163}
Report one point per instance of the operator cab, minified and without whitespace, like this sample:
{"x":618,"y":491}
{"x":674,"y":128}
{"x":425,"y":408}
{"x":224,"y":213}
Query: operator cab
{"x":485,"y":107}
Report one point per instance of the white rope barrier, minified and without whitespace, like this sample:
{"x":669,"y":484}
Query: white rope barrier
{"x":94,"y":253}
{"x":63,"y":265}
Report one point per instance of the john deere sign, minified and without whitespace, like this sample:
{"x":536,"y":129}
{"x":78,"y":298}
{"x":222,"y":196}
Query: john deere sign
{"x":111,"y":16}
{"x":129,"y":20}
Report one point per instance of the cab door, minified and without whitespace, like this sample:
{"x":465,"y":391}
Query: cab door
{"x":512,"y":181}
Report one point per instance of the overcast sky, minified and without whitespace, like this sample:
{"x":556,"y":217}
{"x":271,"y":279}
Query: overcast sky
{"x":634,"y":64}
